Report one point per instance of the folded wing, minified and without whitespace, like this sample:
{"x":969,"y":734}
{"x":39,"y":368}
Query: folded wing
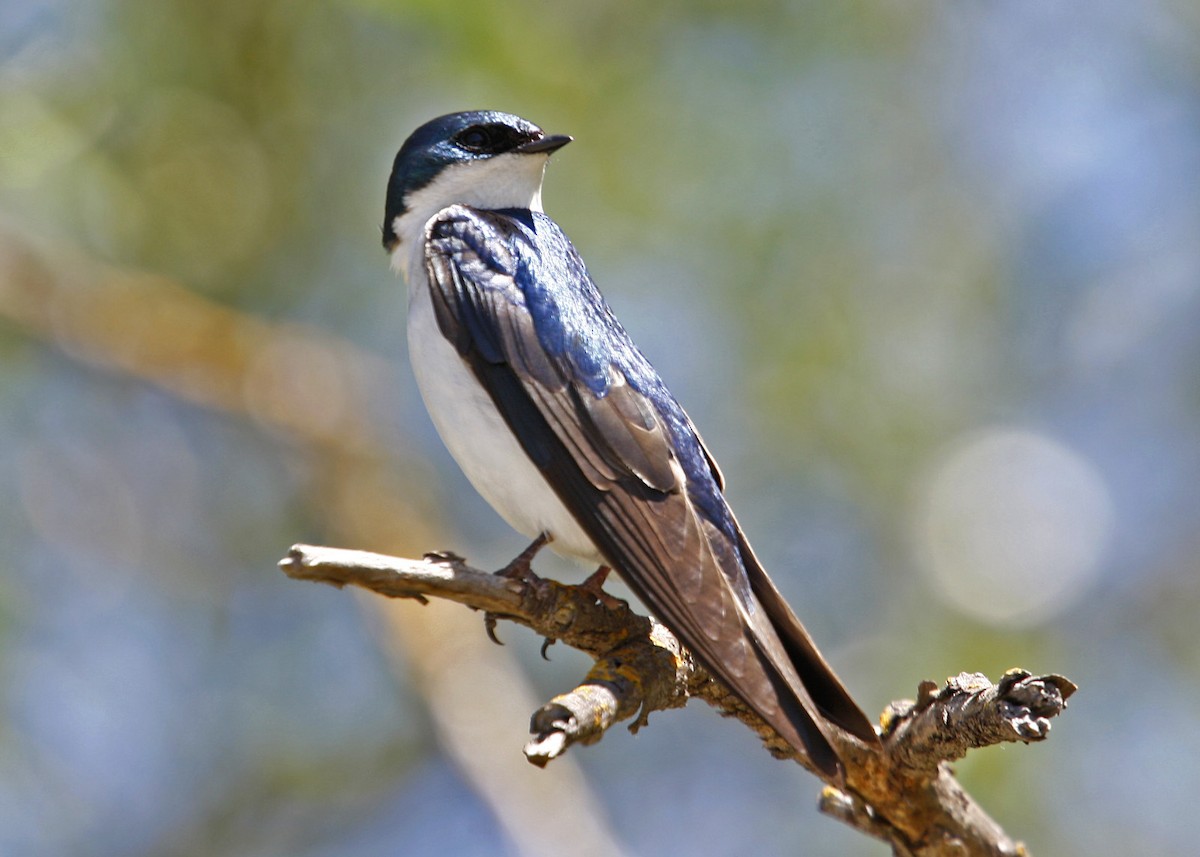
{"x":626,"y":462}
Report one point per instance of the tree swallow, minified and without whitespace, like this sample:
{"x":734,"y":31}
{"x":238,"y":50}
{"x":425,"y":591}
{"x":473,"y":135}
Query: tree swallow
{"x":567,"y":430}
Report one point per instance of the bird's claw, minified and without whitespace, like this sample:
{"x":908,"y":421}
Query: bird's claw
{"x":594,"y":586}
{"x":520,"y":567}
{"x":489,"y":625}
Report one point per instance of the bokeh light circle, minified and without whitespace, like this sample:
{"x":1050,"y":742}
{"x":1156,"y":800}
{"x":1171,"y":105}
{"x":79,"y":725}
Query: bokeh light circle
{"x":1011,"y":526}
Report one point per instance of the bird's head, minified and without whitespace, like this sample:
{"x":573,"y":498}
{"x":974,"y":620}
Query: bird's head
{"x":480,"y":158}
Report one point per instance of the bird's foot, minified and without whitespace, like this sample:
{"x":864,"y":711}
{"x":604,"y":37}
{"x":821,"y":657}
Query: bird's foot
{"x":594,"y":586}
{"x":519,"y":569}
{"x":489,"y":626}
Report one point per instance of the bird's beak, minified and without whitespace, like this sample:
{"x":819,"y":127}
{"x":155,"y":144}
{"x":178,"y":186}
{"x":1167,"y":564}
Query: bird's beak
{"x":546,"y":145}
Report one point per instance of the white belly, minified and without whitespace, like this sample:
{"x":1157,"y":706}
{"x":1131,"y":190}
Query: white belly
{"x":482,"y":443}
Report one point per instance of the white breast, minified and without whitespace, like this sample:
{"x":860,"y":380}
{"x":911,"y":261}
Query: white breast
{"x":479,"y":439}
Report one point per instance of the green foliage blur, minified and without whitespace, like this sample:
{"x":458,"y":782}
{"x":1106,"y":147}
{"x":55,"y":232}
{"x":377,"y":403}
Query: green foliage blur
{"x":927,"y":277}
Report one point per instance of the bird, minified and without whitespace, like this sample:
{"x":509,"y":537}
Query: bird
{"x":567,"y":431}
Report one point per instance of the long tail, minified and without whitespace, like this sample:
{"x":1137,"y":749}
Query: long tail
{"x":820,"y":695}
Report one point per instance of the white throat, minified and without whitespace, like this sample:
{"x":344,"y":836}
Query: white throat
{"x":511,"y":180}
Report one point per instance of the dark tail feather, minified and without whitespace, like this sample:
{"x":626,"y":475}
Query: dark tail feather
{"x":832,"y":700}
{"x":803,"y":728}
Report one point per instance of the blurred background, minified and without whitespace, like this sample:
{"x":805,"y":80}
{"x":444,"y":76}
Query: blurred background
{"x":926,"y":275}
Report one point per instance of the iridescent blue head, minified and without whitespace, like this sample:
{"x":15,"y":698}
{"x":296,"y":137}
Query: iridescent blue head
{"x":481,"y":158}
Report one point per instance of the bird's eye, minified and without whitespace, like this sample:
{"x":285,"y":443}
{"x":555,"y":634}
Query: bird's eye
{"x":478,"y":138}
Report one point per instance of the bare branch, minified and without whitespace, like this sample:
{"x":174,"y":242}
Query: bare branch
{"x":639,"y":663}
{"x":904,"y":795}
{"x":971,"y":712}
